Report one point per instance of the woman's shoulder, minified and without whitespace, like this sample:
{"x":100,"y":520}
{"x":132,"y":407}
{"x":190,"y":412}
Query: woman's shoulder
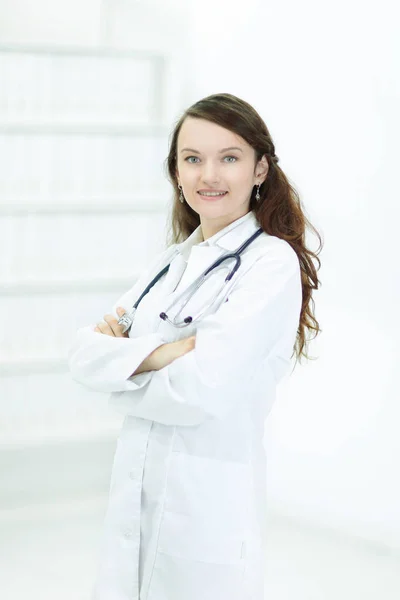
{"x":276,"y":248}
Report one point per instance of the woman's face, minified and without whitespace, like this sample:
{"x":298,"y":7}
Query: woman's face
{"x":212,"y":158}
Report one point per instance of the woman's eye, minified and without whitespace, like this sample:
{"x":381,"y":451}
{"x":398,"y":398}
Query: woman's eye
{"x":189,"y":157}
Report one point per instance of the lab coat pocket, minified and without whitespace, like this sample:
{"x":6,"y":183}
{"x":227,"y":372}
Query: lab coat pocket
{"x":196,"y":562}
{"x":213,"y":490}
{"x":194,"y":539}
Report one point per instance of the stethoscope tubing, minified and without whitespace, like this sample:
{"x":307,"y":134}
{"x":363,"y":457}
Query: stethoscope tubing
{"x":126,"y":320}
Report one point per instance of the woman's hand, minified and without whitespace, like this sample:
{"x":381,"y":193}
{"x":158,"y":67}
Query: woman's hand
{"x":110,"y":326}
{"x":160,"y":357}
{"x":165,"y":354}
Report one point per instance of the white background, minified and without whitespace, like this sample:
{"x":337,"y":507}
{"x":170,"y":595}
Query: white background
{"x":325,"y":78}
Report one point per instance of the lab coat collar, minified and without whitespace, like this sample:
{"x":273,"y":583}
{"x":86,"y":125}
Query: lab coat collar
{"x":229,"y":238}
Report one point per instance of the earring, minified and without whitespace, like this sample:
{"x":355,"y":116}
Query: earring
{"x":258,"y":193}
{"x":180,"y":195}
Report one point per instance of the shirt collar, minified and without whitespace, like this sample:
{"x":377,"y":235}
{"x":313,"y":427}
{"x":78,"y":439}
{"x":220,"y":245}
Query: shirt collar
{"x":229,"y":238}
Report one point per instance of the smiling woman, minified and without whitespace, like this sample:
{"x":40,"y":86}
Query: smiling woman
{"x":211,"y":129}
{"x":186,"y":512}
{"x":217,"y":181}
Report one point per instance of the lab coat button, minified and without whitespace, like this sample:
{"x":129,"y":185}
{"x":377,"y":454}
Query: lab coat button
{"x":133,"y":474}
{"x":128,"y":533}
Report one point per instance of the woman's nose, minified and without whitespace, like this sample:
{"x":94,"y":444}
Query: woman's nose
{"x":210,"y":173}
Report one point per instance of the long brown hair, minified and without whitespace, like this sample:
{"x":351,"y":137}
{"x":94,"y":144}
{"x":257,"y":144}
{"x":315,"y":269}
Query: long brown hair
{"x":279,"y":211}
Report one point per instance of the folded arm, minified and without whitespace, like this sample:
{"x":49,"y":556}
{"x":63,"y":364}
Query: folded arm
{"x":263,"y":309}
{"x":106,"y":364}
{"x":111,"y":364}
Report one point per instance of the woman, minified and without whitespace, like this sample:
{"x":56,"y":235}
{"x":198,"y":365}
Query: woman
{"x":186,"y":512}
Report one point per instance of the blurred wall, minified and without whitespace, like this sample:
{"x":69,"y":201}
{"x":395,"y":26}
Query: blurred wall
{"x":89,"y":91}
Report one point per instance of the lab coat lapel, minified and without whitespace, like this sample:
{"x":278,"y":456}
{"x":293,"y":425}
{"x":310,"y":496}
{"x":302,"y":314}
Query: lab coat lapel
{"x":181,"y":274}
{"x":201,"y":257}
{"x":177,"y":267}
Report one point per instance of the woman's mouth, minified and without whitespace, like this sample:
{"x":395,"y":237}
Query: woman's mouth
{"x":212,"y":195}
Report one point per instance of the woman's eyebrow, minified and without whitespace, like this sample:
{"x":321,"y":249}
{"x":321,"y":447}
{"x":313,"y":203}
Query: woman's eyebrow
{"x":223,"y":149}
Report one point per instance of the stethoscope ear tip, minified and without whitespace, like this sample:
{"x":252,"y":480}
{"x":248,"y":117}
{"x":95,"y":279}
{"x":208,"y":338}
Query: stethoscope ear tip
{"x":164,"y":317}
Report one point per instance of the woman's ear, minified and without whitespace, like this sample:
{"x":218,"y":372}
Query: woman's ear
{"x":262,"y":168}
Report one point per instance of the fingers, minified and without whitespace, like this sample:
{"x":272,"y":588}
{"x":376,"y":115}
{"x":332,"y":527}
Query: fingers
{"x":113,"y":324}
{"x":104,"y":327}
{"x":110,"y":325}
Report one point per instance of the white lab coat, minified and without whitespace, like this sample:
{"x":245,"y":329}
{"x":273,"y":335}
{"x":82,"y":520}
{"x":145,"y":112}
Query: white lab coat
{"x":186,"y":511}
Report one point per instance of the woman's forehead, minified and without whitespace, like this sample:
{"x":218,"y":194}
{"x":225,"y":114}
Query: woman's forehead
{"x":203,"y":136}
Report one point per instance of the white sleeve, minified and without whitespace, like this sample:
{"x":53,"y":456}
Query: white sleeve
{"x":263,"y":309}
{"x":105,"y":363}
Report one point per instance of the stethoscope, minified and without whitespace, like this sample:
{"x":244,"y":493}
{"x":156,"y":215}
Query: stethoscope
{"x":126,"y":321}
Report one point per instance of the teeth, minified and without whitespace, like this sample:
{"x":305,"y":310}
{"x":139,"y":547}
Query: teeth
{"x":212,"y":193}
